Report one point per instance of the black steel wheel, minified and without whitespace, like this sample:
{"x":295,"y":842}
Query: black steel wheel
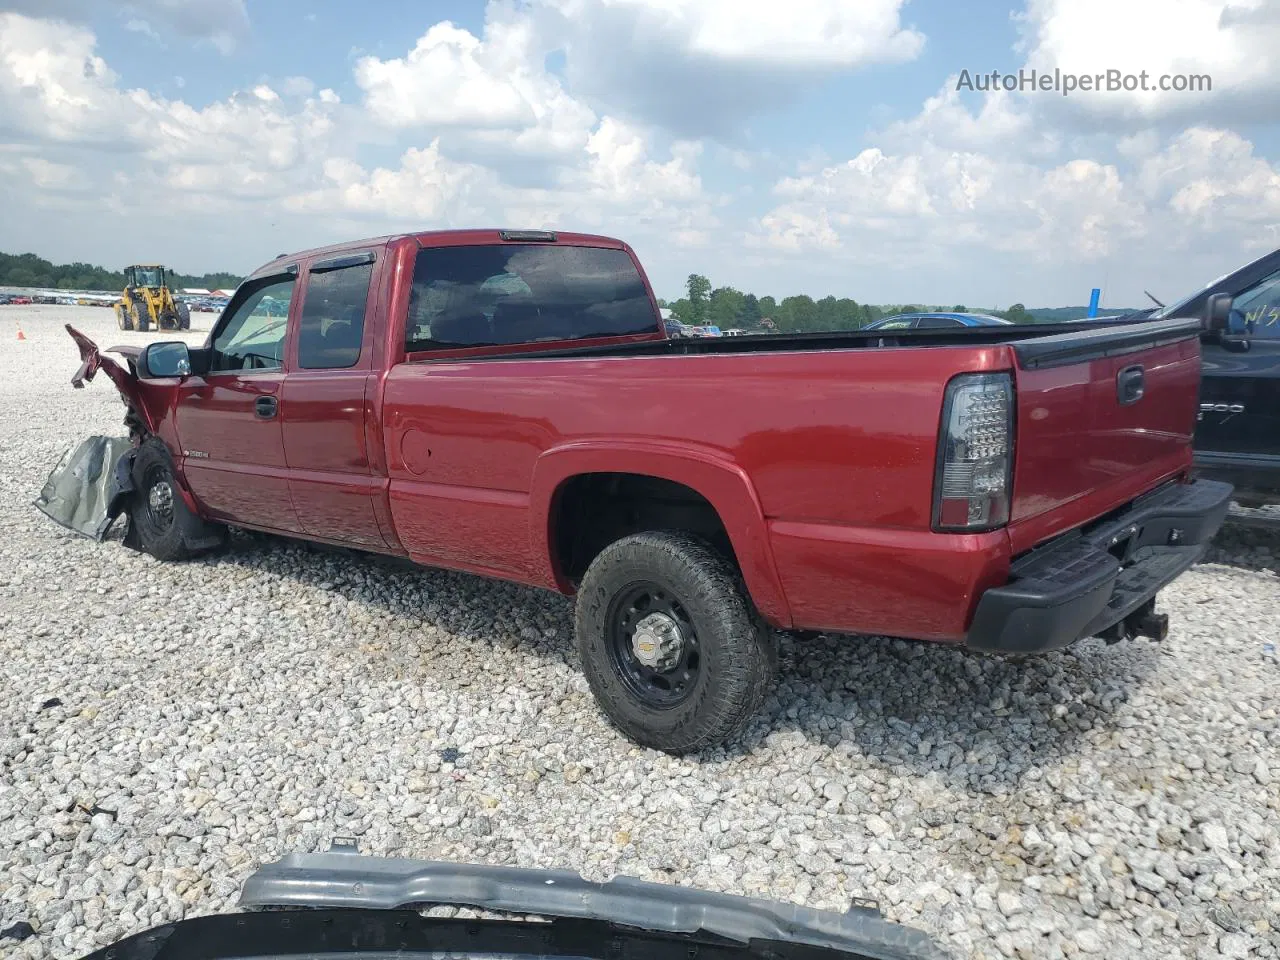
{"x":673,"y":649}
{"x":165,"y":526}
{"x":158,"y":495}
{"x":653,"y":645}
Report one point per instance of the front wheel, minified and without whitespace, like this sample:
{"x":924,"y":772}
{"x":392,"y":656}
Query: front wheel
{"x":673,"y":650}
{"x":166,"y":527}
{"x":139,"y":316}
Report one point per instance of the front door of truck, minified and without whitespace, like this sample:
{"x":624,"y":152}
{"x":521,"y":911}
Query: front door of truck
{"x":330,"y":372}
{"x":1240,"y":386}
{"x":228,"y":419}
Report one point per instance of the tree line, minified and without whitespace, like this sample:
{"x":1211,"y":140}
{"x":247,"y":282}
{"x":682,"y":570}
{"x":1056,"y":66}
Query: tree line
{"x":28,"y":270}
{"x":728,"y":308}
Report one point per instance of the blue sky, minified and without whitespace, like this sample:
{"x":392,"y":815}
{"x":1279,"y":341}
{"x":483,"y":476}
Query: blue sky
{"x":816,"y":147}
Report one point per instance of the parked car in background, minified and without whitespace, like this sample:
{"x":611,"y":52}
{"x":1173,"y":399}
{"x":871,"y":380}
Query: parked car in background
{"x":936,"y":321}
{"x":499,"y":402}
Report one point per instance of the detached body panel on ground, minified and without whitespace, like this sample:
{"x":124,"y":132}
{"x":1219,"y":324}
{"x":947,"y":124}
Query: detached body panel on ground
{"x":510,"y":404}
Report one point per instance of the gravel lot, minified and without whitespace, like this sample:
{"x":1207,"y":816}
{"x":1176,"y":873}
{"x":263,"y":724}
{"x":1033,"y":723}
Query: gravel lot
{"x":166,"y":728}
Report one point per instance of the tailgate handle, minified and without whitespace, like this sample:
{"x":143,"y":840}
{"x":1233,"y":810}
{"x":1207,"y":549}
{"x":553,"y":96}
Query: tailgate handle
{"x":1130,"y":385}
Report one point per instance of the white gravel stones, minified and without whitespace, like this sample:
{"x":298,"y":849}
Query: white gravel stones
{"x":212,"y":716}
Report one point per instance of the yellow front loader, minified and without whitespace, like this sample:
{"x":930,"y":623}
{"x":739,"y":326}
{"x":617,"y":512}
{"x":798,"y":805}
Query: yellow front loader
{"x":147,"y":302}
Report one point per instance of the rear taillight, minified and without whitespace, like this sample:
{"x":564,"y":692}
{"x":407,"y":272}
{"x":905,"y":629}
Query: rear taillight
{"x":975,"y":453}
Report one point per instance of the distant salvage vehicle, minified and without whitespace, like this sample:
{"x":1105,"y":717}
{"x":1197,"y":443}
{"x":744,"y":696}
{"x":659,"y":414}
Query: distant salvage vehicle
{"x":508,"y":403}
{"x":147,"y":302}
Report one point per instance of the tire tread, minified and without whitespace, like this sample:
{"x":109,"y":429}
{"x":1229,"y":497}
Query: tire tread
{"x":746,"y":655}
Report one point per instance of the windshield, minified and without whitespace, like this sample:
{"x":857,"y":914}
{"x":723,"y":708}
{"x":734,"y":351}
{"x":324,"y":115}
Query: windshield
{"x":1233,"y":283}
{"x":148,"y":276}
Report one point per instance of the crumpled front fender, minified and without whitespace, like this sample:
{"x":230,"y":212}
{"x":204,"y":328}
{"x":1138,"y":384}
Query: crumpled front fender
{"x":92,"y":360}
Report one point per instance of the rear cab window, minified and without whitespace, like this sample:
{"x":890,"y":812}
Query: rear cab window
{"x":519,"y":293}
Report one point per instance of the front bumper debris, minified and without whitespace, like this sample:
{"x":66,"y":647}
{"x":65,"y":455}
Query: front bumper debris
{"x":88,"y":488}
{"x":348,"y":905}
{"x":1103,"y":579}
{"x":344,"y":878}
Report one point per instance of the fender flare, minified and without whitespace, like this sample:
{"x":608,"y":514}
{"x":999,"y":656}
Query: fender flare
{"x":724,"y":484}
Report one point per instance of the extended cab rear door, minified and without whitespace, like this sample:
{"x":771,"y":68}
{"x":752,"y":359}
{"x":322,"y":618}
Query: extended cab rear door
{"x":324,"y":401}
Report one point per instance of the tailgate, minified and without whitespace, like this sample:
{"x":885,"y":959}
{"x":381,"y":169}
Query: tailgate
{"x":1103,"y":415}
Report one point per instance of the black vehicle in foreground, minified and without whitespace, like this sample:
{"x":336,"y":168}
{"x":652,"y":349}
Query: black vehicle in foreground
{"x":350,"y":906}
{"x":1238,"y":435}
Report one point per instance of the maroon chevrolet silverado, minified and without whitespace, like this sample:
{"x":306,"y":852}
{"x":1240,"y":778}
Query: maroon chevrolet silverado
{"x":508,"y":403}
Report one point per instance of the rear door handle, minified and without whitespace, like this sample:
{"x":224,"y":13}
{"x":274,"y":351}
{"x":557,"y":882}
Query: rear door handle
{"x":265,"y":407}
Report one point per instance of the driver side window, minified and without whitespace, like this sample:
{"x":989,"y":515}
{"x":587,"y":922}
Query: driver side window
{"x":253,"y":336}
{"x":1259,"y":307}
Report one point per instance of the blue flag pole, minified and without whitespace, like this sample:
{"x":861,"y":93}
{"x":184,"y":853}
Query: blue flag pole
{"x":1093,"y":301}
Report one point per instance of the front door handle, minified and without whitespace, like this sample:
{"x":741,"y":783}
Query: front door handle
{"x":265,"y":407}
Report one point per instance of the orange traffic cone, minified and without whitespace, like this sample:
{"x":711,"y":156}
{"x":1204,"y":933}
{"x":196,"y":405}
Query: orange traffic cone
{"x":21,"y":335}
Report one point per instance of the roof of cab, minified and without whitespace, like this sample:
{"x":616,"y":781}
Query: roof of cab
{"x":442,"y":238}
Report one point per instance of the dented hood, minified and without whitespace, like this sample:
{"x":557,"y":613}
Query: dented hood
{"x":126,"y":380}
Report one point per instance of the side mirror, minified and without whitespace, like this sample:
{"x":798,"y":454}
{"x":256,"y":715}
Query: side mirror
{"x":167,"y":359}
{"x":1217,"y":314}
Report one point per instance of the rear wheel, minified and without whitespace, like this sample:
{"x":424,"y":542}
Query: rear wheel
{"x":184,"y":316}
{"x":673,"y":651}
{"x":166,"y":527}
{"x":123,"y":320}
{"x":139,"y":316}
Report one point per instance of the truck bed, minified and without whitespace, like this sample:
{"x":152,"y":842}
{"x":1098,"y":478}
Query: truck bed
{"x":835,"y":435}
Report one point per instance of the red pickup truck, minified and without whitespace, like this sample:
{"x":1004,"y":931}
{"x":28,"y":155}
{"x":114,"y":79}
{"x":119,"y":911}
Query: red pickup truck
{"x":508,"y":403}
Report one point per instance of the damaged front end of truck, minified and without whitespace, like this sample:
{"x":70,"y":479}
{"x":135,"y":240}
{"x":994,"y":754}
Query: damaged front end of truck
{"x":90,"y":488}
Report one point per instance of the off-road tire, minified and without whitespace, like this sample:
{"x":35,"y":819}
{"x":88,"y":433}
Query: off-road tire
{"x":184,"y":316}
{"x":139,"y":316}
{"x":184,"y":534}
{"x":123,"y":320}
{"x":737,"y":658}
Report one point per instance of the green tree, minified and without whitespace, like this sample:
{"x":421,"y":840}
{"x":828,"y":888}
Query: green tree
{"x":725,"y":307}
{"x":750,"y":311}
{"x":699,"y":288}
{"x":959,"y":308}
{"x":798,"y":314}
{"x":29,"y":270}
{"x":1018,"y":314}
